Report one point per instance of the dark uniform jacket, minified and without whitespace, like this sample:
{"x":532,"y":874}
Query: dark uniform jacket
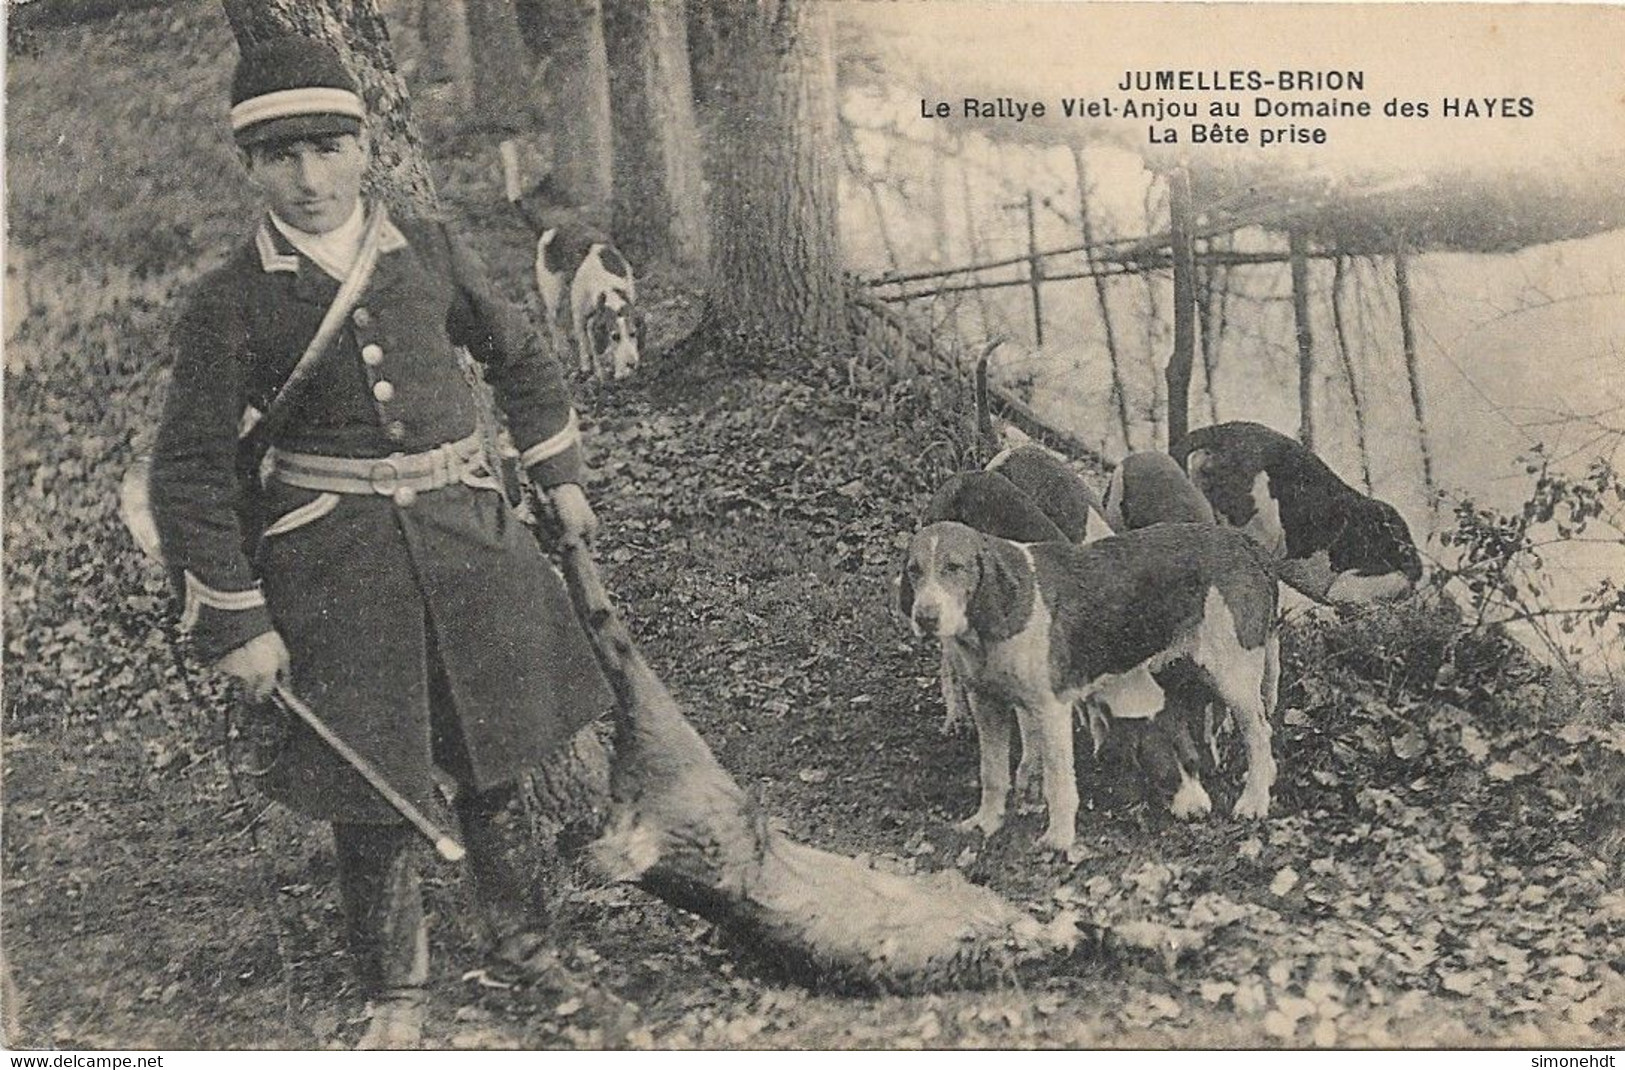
{"x":421,"y":630}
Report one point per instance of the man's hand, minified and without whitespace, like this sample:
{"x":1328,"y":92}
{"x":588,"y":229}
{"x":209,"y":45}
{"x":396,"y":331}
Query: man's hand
{"x":575,"y":517}
{"x":258,"y":664}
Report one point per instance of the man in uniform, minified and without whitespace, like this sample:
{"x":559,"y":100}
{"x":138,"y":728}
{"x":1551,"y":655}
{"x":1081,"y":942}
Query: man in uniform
{"x":391,"y":587}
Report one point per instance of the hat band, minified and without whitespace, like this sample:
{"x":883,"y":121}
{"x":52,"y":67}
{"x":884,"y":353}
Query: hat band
{"x":311,"y":100}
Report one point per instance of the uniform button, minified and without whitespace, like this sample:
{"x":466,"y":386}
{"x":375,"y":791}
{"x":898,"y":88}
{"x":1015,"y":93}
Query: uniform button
{"x":362,"y":317}
{"x":372,"y":355}
{"x":404,"y":496}
{"x":383,"y":390}
{"x":396,"y":431}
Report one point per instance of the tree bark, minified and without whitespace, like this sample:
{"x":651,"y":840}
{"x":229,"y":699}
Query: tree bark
{"x":569,"y":36}
{"x":1298,"y":244}
{"x":775,"y":253}
{"x":443,"y":28}
{"x":659,"y":189}
{"x":1183,"y":357}
{"x":355,"y":29}
{"x":505,"y":88}
{"x":1413,"y":373}
{"x":1346,"y":356}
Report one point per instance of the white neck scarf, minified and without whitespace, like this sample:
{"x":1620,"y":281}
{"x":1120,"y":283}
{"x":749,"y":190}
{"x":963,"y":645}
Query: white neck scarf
{"x":333,"y":252}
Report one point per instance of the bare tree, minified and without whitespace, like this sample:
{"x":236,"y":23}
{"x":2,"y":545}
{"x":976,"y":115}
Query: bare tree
{"x":1183,"y":357}
{"x":568,"y":35}
{"x":1346,"y":356}
{"x":1298,"y":243}
{"x":775,"y":252}
{"x":659,"y":207}
{"x":505,"y":90}
{"x":1407,"y":335}
{"x":1102,"y":288}
{"x":443,"y":36}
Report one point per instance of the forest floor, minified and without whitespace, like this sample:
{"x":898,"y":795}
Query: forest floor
{"x":1442,"y":867}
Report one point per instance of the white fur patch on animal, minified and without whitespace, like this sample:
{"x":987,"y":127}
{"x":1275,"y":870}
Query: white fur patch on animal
{"x":1191,"y":800}
{"x":1131,"y":696}
{"x":1096,"y":530}
{"x":1265,"y":524}
{"x":1353,"y":587}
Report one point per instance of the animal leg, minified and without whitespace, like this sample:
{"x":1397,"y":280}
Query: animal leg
{"x":1029,"y":763}
{"x":1272,"y":673}
{"x":587,"y":361}
{"x":1054,"y":723}
{"x":1240,"y":681}
{"x":993,"y":740}
{"x":1191,"y":800}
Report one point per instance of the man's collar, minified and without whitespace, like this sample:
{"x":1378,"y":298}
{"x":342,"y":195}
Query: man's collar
{"x":277,"y":253}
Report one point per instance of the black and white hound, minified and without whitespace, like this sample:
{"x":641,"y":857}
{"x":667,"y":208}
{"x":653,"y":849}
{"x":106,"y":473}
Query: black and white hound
{"x":591,"y":300}
{"x":1332,"y":543}
{"x":1039,"y":628}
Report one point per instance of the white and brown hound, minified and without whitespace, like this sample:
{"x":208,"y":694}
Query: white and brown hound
{"x":1055,"y":488}
{"x":1149,"y":488}
{"x":591,"y":300}
{"x":993,"y":505}
{"x":1043,"y":627}
{"x":1332,"y":543}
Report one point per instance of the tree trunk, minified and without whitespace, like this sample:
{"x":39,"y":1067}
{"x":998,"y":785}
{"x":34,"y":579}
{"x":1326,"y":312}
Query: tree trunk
{"x":1413,"y":374}
{"x":775,"y":253}
{"x":1183,"y":357}
{"x":659,"y":189}
{"x":569,"y":35}
{"x":505,"y":87}
{"x":1102,"y":288}
{"x":1346,"y":356}
{"x":707,"y":55}
{"x":443,"y":28}
{"x":355,"y":28}
{"x":1298,"y":244}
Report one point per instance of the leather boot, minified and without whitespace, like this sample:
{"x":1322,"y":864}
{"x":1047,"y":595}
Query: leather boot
{"x":508,"y":913}
{"x":385,"y":928}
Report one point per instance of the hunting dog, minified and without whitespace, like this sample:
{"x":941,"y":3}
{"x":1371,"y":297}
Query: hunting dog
{"x":591,"y":299}
{"x":1039,"y":628}
{"x":1056,"y":489}
{"x":993,"y":505}
{"x":1149,"y":488}
{"x":1332,"y":543}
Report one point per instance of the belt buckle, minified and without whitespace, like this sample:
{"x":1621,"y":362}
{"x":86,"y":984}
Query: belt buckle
{"x":384,"y":475}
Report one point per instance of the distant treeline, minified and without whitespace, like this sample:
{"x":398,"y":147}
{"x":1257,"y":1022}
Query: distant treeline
{"x":26,"y":17}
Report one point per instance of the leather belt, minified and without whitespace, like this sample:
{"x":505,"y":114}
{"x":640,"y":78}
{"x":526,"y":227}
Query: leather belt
{"x":401,"y":476}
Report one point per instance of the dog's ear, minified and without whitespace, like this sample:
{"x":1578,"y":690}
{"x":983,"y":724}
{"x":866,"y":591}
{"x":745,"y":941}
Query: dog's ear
{"x":1002,"y":597}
